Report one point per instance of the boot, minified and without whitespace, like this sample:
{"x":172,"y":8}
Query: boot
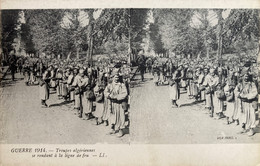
{"x":228,"y":122}
{"x":97,"y":122}
{"x":243,"y":129}
{"x":120,"y":133}
{"x":79,"y":113}
{"x":113,"y":132}
{"x":211,"y":114}
{"x":250,"y":132}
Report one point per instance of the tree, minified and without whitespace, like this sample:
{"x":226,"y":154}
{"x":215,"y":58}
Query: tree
{"x":219,"y":31}
{"x":156,"y":39}
{"x":9,"y":23}
{"x":111,"y":32}
{"x":176,"y":33}
{"x":241,"y":31}
{"x":205,"y":29}
{"x":45,"y":31}
{"x":137,"y":30}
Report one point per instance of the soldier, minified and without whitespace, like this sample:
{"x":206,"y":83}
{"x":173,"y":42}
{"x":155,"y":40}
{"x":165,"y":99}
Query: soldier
{"x":141,"y":65}
{"x":64,"y":84}
{"x":219,"y":94}
{"x":209,"y":84}
{"x":99,"y":94}
{"x":116,"y":94}
{"x":88,"y":96}
{"x":44,"y":91}
{"x":247,"y":95}
{"x":174,"y":86}
{"x":76,"y":85}
{"x":107,"y":102}
{"x":230,"y":99}
{"x":200,"y":81}
{"x":59,"y":75}
{"x":20,"y":65}
{"x":70,"y":88}
{"x":12,"y":65}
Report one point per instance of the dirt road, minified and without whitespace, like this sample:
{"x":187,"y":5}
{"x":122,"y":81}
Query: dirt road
{"x":24,"y":121}
{"x":154,"y":121}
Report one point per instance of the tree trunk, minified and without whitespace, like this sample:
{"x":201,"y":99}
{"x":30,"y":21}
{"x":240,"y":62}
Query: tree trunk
{"x":207,"y":49}
{"x":129,"y":40}
{"x":91,"y":50}
{"x":68,"y":57}
{"x":77,"y":52}
{"x":90,"y":35}
{"x":219,"y":33}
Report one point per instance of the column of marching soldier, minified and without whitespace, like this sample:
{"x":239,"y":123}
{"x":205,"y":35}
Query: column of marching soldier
{"x":228,"y":90}
{"x":99,"y":92}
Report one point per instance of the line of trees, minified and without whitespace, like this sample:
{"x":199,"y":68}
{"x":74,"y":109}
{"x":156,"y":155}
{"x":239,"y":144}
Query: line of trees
{"x":126,"y":31}
{"x":173,"y":31}
{"x":66,"y":31}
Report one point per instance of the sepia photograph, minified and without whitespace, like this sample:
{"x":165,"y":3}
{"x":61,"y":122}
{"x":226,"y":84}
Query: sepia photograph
{"x":120,"y":76}
{"x":152,"y":85}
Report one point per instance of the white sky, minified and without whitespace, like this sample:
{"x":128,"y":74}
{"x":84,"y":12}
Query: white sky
{"x":212,"y":17}
{"x":83,"y":18}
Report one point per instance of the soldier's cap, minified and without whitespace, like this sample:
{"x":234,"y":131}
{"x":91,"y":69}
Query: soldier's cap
{"x":89,"y":70}
{"x":81,"y":70}
{"x":220,"y":69}
{"x":211,"y":70}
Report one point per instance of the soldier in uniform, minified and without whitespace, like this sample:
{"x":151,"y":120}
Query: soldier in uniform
{"x":209,"y":84}
{"x":219,"y":94}
{"x":44,"y":91}
{"x":117,"y":93}
{"x":77,"y":91}
{"x":99,"y":94}
{"x":174,"y":88}
{"x":247,"y":94}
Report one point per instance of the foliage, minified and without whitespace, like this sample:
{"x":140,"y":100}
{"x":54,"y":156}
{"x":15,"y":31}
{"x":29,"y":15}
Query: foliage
{"x":45,"y":33}
{"x":114,"y":31}
{"x":9,"y":23}
{"x":172,"y":30}
{"x":241,"y":31}
{"x":113,"y":25}
{"x":138,"y":23}
{"x":176,"y":33}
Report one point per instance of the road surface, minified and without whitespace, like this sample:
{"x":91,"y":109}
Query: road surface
{"x":152,"y":120}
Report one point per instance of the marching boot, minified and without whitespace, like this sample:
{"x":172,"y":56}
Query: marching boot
{"x":221,"y":115}
{"x":211,"y":114}
{"x":88,"y":116}
{"x":97,"y":122}
{"x":120,"y":133}
{"x":228,"y":121}
{"x":79,"y":113}
{"x":243,"y":129}
{"x":251,"y":132}
{"x":174,"y":104}
{"x":106,"y":123}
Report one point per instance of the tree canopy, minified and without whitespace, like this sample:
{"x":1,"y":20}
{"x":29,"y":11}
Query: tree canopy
{"x":117,"y":31}
{"x":9,"y":23}
{"x":173,"y":30}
